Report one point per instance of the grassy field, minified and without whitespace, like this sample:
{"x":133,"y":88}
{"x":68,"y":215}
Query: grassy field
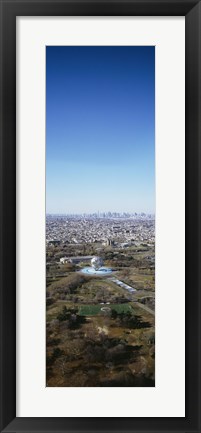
{"x":93,"y":310}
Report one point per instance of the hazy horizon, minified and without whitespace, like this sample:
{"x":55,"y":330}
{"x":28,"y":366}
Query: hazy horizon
{"x":101,"y":213}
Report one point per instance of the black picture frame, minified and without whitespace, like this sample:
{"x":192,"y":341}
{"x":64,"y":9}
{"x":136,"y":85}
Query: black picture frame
{"x":191,"y":9}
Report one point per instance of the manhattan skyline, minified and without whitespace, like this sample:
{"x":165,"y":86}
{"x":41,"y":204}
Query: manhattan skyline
{"x":100,"y":129}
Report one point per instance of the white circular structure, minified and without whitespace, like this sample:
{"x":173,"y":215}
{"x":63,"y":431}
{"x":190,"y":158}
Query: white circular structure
{"x":97,"y":268}
{"x":96,"y":263}
{"x":100,"y":272}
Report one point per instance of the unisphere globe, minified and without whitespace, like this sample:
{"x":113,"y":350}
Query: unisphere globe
{"x":96,"y":263}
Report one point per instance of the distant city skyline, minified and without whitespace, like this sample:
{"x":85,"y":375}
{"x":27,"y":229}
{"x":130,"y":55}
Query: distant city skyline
{"x":101,"y":213}
{"x":104,"y":215}
{"x":100,"y":129}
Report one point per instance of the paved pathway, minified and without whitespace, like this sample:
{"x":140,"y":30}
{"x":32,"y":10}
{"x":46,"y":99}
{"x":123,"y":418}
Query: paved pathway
{"x":144,"y":307}
{"x":122,"y":284}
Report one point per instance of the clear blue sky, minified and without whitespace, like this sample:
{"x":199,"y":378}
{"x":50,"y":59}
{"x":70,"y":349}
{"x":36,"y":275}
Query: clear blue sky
{"x":100,"y":129}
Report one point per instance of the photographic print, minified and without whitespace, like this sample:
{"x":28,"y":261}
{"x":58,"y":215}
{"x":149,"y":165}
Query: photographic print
{"x":100,"y":216}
